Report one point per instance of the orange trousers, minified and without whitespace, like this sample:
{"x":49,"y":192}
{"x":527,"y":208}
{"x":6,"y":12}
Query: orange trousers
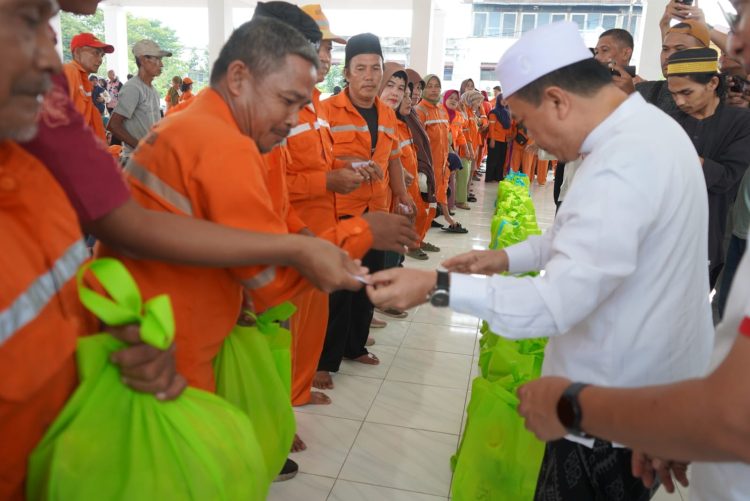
{"x":516,"y":157}
{"x":308,"y":327}
{"x":23,"y":424}
{"x":532,"y":167}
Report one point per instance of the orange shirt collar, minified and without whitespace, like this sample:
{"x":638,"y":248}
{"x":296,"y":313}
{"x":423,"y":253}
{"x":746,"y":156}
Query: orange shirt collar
{"x":211,"y":102}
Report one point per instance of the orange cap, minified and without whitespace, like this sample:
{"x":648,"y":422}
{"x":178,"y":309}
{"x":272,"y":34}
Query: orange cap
{"x":187,"y":81}
{"x":89,"y":40}
{"x":694,"y":28}
{"x":315,"y":12}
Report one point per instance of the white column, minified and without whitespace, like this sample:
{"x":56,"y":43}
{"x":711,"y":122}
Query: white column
{"x":57,"y":28}
{"x":220,"y":26}
{"x":116,"y":34}
{"x":421,"y":20}
{"x":436,"y":60}
{"x":649,"y":39}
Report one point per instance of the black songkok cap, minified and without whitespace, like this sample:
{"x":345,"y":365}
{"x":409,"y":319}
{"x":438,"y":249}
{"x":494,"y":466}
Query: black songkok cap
{"x":691,"y":61}
{"x":364,"y":43}
{"x":291,"y":15}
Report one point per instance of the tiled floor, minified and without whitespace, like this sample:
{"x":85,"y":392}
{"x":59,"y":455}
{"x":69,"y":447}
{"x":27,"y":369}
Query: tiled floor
{"x":392,"y":428}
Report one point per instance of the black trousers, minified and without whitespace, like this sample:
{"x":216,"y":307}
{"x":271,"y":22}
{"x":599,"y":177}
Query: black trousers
{"x":559,"y":174}
{"x":349,"y":317}
{"x":574,"y":472}
{"x":495,"y":162}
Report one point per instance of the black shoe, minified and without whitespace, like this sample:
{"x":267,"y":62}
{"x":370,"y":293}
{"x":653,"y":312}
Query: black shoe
{"x":452,"y":213}
{"x":435,"y":224}
{"x":472,"y":199}
{"x":288,"y":472}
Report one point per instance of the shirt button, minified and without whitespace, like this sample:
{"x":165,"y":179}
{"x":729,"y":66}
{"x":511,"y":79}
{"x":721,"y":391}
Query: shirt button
{"x":8,"y":184}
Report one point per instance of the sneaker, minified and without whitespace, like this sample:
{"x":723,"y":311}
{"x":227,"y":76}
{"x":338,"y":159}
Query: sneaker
{"x":418,"y":254}
{"x":288,"y":472}
{"x":392,"y":312}
{"x":426,"y":246}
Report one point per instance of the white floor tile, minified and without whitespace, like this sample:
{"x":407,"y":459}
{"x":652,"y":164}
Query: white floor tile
{"x":428,"y":314}
{"x":351,"y":397}
{"x":401,"y":458}
{"x":386,"y":354}
{"x":447,"y":338}
{"x":392,"y":334}
{"x":328,"y":442}
{"x":418,"y":406}
{"x":303,"y":487}
{"x":344,"y":490}
{"x":434,"y":368}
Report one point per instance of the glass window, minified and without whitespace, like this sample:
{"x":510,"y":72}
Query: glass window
{"x":487,"y":72}
{"x":480,"y":23}
{"x":593,"y":21}
{"x":448,"y":72}
{"x":580,"y":20}
{"x":542,"y":18}
{"x":609,"y":21}
{"x":559,"y":17}
{"x":509,"y":24}
{"x":493,"y":27}
{"x":528,"y":22}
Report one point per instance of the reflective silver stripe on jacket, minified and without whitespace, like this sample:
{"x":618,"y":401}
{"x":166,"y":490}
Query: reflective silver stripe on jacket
{"x":349,"y":128}
{"x":387,"y":130}
{"x":30,"y":304}
{"x":430,"y":122}
{"x":159,"y":187}
{"x":406,"y":143}
{"x":262,"y":279}
{"x":323,"y":123}
{"x":302,"y":128}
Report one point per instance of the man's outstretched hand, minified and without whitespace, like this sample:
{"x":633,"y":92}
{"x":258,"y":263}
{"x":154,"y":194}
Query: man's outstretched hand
{"x":401,"y":288}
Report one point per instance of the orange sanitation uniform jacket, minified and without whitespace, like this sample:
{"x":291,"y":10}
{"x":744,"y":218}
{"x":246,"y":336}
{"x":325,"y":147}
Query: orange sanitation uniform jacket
{"x":80,"y":90}
{"x":351,"y":139}
{"x":409,"y":161}
{"x":198,"y":163}
{"x":435,"y":121}
{"x":40,"y":315}
{"x":310,"y":148}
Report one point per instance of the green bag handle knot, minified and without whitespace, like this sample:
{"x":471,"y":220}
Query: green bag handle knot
{"x":126,"y":305}
{"x":268,"y":321}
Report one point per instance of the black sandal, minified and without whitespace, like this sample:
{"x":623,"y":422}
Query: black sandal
{"x":456,"y":228}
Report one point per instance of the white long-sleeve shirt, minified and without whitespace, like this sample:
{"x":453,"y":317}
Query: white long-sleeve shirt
{"x":624,"y":297}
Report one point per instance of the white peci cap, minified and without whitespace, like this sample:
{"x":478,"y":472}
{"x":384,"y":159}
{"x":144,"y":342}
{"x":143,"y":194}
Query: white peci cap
{"x":539,"y":52}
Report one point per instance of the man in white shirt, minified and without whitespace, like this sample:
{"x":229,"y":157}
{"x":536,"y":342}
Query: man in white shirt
{"x":623,"y":297}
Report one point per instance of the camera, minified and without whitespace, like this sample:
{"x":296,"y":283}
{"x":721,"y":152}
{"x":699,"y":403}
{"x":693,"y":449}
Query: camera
{"x":737,"y":84}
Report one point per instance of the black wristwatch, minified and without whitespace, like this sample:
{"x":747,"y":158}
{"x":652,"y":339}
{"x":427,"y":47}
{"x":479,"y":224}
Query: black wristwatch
{"x":569,"y":410}
{"x":440,"y":296}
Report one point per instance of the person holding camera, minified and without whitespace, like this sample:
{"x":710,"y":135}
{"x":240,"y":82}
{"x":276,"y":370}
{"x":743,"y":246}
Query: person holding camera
{"x":720,"y":134}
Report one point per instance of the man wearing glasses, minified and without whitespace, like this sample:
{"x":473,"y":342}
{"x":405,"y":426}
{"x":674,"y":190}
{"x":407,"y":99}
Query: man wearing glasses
{"x":88,"y":53}
{"x":138,"y":104}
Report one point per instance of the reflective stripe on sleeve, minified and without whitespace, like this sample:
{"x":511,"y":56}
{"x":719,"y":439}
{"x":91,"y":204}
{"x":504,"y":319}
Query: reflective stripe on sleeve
{"x":159,"y":187}
{"x":430,"y":122}
{"x":349,"y":128}
{"x":26,"y":307}
{"x":262,"y":279}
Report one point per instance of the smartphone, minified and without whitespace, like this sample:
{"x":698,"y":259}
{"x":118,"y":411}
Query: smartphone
{"x":684,"y":2}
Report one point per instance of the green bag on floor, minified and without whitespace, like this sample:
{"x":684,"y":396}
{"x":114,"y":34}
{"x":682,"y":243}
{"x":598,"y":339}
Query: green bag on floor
{"x":498,"y":459}
{"x":254,"y":372}
{"x":111,"y":442}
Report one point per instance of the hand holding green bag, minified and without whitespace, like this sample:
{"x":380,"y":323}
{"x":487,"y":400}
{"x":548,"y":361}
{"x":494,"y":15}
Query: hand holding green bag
{"x":254,"y":372}
{"x":111,"y":442}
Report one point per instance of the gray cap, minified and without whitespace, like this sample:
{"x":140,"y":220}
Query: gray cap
{"x":149,"y":48}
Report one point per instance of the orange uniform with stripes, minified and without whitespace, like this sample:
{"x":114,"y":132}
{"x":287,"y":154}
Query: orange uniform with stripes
{"x":434,"y":118}
{"x":409,"y":161}
{"x":472,"y":129}
{"x":40,"y":315}
{"x":351,"y":139}
{"x":80,"y":90}
{"x":310,"y":148}
{"x":199,"y":164}
{"x":186,"y":96}
{"x":497,"y":131}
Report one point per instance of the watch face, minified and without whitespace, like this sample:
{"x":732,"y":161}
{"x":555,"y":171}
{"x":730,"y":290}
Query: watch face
{"x":565,"y":412}
{"x":439,"y":299}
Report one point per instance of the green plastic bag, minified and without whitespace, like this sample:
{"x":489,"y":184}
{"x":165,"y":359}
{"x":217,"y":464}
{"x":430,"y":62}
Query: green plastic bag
{"x":498,"y":459}
{"x":111,"y":442}
{"x":254,"y":372}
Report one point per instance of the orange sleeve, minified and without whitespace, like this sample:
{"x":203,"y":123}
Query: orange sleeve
{"x":353,"y":235}
{"x":71,"y":75}
{"x":294,"y":223}
{"x":245,"y":202}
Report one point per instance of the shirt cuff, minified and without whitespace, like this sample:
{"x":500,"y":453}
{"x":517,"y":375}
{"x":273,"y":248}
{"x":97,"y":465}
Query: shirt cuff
{"x":465,"y":290}
{"x":521,"y":258}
